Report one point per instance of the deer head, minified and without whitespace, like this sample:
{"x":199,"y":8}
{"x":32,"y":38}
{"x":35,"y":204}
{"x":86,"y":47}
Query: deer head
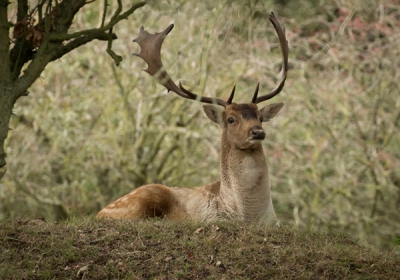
{"x":240,"y":122}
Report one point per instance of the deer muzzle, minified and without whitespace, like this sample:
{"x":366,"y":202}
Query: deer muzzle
{"x":257,"y":133}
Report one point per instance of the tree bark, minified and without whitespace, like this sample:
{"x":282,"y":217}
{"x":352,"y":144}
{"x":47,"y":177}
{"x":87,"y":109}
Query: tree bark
{"x":6,"y":96}
{"x":7,"y":100}
{"x":5,"y":77}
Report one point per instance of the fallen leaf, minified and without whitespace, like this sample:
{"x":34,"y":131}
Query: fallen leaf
{"x":191,"y":256}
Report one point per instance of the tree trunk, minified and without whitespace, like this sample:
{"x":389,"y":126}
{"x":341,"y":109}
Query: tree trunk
{"x":6,"y":96}
{"x":7,"y":91}
{"x":7,"y":100}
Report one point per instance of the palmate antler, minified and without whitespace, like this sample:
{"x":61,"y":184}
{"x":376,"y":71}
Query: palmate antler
{"x":150,"y":52}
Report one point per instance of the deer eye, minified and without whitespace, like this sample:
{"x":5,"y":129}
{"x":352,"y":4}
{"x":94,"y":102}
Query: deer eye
{"x":261,"y":119}
{"x":230,"y":120}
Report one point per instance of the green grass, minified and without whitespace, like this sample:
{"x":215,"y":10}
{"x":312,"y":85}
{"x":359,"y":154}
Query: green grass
{"x":161,"y":249}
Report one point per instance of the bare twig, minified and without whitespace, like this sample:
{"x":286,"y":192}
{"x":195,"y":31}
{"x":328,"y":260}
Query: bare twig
{"x":118,"y":11}
{"x":103,"y":19}
{"x":114,"y":56}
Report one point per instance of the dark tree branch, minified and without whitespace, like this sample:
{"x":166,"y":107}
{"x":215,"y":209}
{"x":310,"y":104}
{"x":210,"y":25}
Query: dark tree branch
{"x":47,"y":20}
{"x":102,"y":36}
{"x":22,"y":9}
{"x":65,"y":14}
{"x":57,"y":24}
{"x":23,"y":51}
{"x":63,"y":37}
{"x":117,"y":58}
{"x":103,"y":18}
{"x":118,"y":10}
{"x":40,"y":10}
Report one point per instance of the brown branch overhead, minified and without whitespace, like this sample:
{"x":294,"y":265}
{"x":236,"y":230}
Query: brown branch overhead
{"x":55,"y":51}
{"x":65,"y":14}
{"x":23,"y":51}
{"x":57,"y":22}
{"x":102,"y":36}
{"x":113,"y":21}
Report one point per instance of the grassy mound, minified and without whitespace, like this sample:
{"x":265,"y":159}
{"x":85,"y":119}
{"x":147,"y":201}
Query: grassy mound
{"x":91,"y":249}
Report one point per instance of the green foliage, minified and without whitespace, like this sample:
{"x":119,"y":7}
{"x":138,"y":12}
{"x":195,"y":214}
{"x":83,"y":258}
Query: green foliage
{"x":90,"y":132}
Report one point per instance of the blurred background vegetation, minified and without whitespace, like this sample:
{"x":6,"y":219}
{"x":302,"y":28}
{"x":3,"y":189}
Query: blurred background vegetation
{"x":90,"y":132}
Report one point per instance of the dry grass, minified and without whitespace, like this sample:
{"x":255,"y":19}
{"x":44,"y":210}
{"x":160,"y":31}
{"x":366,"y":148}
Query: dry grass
{"x":90,"y":132}
{"x":88,"y":249}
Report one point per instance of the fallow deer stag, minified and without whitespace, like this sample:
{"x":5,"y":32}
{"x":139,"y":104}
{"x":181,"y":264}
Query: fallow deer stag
{"x":244,"y":191}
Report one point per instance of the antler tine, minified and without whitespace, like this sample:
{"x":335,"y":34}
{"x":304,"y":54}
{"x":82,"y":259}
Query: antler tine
{"x":285,"y":54}
{"x":150,"y":52}
{"x":229,"y":101}
{"x":254,"y":100}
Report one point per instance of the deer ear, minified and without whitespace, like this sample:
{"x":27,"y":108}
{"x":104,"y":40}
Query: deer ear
{"x":215,"y":114}
{"x":268,"y":112}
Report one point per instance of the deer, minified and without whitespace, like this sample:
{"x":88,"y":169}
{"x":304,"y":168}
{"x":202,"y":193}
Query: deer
{"x":243,"y":192}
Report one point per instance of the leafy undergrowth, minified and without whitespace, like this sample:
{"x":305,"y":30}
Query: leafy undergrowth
{"x":91,"y":249}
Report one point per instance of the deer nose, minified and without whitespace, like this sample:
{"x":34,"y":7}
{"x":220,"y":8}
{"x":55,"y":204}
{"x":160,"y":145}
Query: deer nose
{"x":257,"y":132}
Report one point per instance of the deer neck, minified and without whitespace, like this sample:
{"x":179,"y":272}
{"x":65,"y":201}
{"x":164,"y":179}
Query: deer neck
{"x":245,"y":189}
